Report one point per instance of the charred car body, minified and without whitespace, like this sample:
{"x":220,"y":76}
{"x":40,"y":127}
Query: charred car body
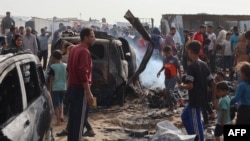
{"x":114,"y":64}
{"x":114,"y":61}
{"x":25,"y":105}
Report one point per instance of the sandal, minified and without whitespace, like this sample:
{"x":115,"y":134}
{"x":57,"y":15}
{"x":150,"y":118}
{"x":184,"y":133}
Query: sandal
{"x":62,"y":133}
{"x":89,"y":134}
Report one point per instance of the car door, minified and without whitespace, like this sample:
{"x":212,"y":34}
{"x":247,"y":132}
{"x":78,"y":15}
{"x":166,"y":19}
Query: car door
{"x":38,"y":107}
{"x":16,"y":124}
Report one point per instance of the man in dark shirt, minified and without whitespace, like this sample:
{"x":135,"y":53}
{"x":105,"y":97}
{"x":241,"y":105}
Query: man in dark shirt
{"x":196,"y":82}
{"x":79,"y":81}
{"x":7,"y":22}
{"x":57,"y":34}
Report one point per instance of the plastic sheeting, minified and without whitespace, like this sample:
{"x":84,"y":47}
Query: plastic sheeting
{"x":166,"y":131}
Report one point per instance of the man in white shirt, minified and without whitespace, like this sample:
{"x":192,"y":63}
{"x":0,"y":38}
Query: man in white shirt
{"x":221,"y":35}
{"x":211,"y":48}
{"x":29,"y":41}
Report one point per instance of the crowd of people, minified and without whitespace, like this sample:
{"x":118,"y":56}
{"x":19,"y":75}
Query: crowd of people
{"x":71,"y":72}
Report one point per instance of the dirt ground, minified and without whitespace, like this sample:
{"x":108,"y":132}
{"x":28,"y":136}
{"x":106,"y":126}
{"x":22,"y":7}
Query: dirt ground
{"x":116,"y":122}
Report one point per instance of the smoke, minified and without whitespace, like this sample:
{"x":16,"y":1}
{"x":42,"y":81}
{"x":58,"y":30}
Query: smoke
{"x":149,"y":77}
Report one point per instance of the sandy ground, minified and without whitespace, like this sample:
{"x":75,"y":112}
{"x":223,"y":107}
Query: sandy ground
{"x":111,"y":124}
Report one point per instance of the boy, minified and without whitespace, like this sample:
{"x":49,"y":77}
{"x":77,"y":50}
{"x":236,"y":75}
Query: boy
{"x":196,"y":82}
{"x":171,"y":66}
{"x":223,"y":109}
{"x":58,"y":84}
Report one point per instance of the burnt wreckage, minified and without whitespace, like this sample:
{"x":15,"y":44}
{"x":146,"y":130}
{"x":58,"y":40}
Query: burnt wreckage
{"x":26,"y":108}
{"x":115,"y":71}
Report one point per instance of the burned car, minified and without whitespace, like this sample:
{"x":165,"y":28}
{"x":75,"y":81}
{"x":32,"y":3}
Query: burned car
{"x":114,"y":62}
{"x":25,"y":104}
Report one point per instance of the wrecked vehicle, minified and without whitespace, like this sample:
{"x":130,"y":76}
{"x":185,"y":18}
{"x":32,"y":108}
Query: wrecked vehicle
{"x":26,"y":108}
{"x":114,"y":64}
{"x":114,"y":61}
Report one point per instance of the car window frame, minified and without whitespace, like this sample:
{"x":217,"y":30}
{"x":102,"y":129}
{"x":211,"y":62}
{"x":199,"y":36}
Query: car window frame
{"x":6,"y":71}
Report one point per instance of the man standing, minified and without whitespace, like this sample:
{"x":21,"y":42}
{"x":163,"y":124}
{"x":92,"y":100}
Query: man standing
{"x":199,"y":36}
{"x":29,"y":41}
{"x":169,"y":40}
{"x":10,"y":34}
{"x":43,"y":40}
{"x":57,"y":34}
{"x":7,"y":22}
{"x":196,"y":82}
{"x":234,"y":42}
{"x":211,"y":48}
{"x":221,"y":35}
{"x":79,"y":81}
{"x":21,"y":30}
{"x":185,"y":58}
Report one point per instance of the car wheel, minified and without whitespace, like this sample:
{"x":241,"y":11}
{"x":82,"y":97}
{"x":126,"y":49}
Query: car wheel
{"x":48,"y":135}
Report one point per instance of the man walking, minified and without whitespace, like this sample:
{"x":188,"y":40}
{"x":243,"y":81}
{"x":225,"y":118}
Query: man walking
{"x":196,"y":82}
{"x":79,"y":81}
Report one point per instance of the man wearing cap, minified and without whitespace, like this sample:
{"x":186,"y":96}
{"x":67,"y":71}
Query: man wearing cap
{"x":7,"y":22}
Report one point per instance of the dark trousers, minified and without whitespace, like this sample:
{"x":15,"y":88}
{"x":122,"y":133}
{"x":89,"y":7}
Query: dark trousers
{"x":212,"y":61}
{"x":184,"y":63}
{"x":43,"y":55}
{"x":243,"y":116}
{"x":86,"y":122}
{"x":227,"y":62}
{"x":206,"y":109}
{"x":76,"y":113}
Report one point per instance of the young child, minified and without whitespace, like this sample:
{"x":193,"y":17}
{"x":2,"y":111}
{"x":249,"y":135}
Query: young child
{"x":58,"y":84}
{"x":242,"y":94}
{"x":223,"y":109}
{"x":171,"y":67}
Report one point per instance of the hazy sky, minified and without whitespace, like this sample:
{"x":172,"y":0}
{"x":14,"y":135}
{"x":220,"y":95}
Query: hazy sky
{"x":114,"y":10}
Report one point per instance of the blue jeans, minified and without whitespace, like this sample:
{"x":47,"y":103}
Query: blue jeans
{"x":169,"y":85}
{"x":77,"y":111}
{"x":191,"y":119}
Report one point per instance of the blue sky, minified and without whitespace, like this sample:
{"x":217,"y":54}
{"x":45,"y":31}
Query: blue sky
{"x":114,"y":10}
